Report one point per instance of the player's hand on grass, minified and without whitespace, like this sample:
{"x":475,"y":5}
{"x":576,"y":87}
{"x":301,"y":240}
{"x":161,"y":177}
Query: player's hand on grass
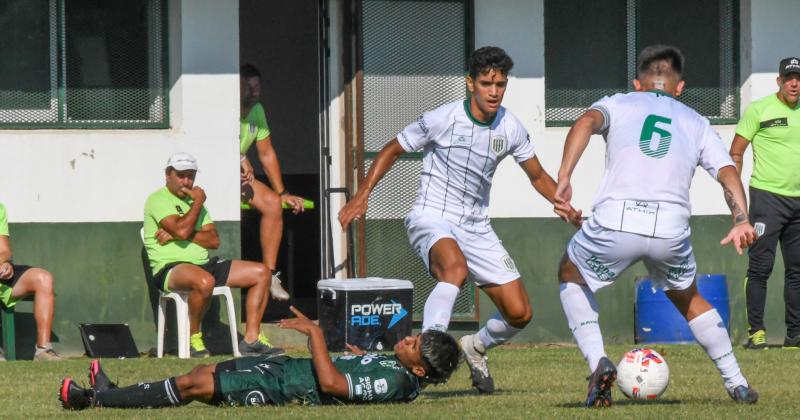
{"x":294,"y":201}
{"x":6,"y":271}
{"x":354,"y":349}
{"x":353,"y":210}
{"x":742,"y":236}
{"x":301,"y":324}
{"x":195,"y":193}
{"x":162,"y":236}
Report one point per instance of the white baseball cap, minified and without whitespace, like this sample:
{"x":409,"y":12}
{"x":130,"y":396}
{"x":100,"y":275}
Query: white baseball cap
{"x":182,"y":162}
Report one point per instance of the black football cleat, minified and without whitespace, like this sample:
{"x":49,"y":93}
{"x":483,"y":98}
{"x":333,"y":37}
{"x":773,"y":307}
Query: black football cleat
{"x":98,"y":379}
{"x":744,"y":395}
{"x":73,"y":397}
{"x":600,"y":384}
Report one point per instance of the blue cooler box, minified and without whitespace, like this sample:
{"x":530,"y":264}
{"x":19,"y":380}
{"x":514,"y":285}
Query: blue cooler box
{"x":372,"y":313}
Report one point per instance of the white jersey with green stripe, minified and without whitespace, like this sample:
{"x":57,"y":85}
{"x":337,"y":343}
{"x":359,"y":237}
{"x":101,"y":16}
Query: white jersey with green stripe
{"x":653,"y":145}
{"x":460,"y":156}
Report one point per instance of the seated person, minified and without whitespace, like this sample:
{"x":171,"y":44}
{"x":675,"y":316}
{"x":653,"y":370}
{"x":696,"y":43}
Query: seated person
{"x":178,"y":232}
{"x":18,"y":281}
{"x":427,"y":358}
{"x":267,"y":200}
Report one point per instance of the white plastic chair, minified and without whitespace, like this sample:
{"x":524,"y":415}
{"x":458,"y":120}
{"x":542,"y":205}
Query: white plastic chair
{"x":181,"y":300}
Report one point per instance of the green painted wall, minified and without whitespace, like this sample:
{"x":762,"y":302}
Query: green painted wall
{"x":99,"y":278}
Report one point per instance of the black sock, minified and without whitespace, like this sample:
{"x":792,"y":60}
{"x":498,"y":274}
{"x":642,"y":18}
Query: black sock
{"x":143,"y":395}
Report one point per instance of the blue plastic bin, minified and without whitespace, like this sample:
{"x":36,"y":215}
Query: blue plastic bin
{"x":657,"y":321}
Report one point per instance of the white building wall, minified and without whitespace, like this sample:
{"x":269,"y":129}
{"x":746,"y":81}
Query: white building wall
{"x":106,"y":175}
{"x":518,"y":27}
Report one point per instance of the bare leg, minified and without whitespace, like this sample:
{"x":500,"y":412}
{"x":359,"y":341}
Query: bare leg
{"x":38,"y":282}
{"x":268,"y":203}
{"x":200,"y":285}
{"x":254,"y":277}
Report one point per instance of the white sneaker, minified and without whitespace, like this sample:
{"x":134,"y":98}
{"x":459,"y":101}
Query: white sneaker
{"x":276,"y":290}
{"x":478,"y":369}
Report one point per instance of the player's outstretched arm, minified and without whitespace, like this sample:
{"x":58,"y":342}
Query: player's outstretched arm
{"x":331,"y":381}
{"x":742,"y":233}
{"x":357,"y":206}
{"x":545,"y":185}
{"x":577,"y":139}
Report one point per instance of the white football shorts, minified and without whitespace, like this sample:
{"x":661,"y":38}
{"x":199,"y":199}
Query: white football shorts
{"x":487,"y":260}
{"x":602,"y":255}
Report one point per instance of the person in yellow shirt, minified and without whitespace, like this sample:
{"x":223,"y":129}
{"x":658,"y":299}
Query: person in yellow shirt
{"x":267,"y":200}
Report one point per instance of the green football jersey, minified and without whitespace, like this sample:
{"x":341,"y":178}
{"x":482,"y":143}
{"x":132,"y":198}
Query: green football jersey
{"x":375,"y":378}
{"x":253,"y":128}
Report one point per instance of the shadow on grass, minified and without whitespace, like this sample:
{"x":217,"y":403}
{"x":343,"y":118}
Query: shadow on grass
{"x":458,"y":393}
{"x":625,"y":403}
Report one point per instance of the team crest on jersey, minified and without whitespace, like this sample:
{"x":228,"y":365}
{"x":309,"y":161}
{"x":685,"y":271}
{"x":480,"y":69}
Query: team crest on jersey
{"x":760,"y":228}
{"x":508,"y":263}
{"x":253,"y":128}
{"x":499,"y":144}
{"x":255,"y":398}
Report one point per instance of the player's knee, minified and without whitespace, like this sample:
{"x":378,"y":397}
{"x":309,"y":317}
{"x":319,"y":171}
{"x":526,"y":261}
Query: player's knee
{"x":204,"y":285}
{"x":268,"y":203}
{"x":519,"y":317}
{"x":44,"y":282}
{"x":453,"y":273}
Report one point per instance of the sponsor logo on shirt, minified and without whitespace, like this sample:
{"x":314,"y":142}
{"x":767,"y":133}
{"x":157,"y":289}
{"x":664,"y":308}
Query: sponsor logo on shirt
{"x":179,"y":210}
{"x":422,"y":126}
{"x":381,"y":387}
{"x":364,"y":388}
{"x":601,"y":271}
{"x":499,"y":145}
{"x":462,"y":141}
{"x":253,"y":128}
{"x":775,"y":122}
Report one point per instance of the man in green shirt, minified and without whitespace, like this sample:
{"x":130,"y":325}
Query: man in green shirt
{"x":772,"y":124}
{"x":178,"y":232}
{"x":18,"y":281}
{"x":253,"y":128}
{"x":427,"y":358}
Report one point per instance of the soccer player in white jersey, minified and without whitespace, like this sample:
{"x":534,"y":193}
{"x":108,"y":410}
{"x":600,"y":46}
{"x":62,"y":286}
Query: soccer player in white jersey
{"x":653,"y":145}
{"x":448,"y":226}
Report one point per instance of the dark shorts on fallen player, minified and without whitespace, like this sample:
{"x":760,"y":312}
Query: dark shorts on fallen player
{"x":262,"y":380}
{"x":217,"y":267}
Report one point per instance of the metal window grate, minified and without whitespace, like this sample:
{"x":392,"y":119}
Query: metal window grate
{"x":104,"y":67}
{"x":602,"y":62}
{"x":406,"y":72}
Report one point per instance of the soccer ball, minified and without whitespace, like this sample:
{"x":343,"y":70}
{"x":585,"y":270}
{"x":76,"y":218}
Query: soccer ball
{"x":642,"y":374}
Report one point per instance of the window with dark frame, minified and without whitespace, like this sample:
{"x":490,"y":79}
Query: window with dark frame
{"x":83,"y":64}
{"x":591,"y":48}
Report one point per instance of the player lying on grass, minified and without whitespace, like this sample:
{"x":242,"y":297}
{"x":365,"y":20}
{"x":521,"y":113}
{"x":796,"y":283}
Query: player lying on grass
{"x":427,"y":358}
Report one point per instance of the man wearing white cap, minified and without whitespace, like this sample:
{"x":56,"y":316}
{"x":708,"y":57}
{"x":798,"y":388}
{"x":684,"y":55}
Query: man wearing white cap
{"x":178,"y":232}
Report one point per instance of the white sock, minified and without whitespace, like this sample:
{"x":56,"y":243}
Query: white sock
{"x":581,"y":311}
{"x":439,"y":307}
{"x":496,"y":332}
{"x":710,"y":333}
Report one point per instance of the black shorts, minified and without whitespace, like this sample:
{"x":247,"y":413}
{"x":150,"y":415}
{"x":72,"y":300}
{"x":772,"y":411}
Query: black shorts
{"x":7,"y":285}
{"x":217,"y":267}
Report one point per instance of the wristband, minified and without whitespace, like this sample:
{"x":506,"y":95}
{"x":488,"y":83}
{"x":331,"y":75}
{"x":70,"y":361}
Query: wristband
{"x":284,"y":192}
{"x":241,"y":159}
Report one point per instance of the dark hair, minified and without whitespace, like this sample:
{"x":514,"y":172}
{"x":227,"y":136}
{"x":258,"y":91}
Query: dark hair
{"x":489,"y":58}
{"x":248,"y":70}
{"x":651,"y":59}
{"x":440,"y":356}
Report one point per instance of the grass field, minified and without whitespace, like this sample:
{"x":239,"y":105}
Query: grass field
{"x":532,"y":382}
